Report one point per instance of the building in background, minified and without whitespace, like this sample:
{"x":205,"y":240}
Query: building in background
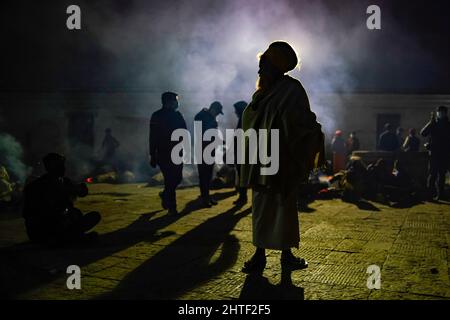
{"x":73,"y":122}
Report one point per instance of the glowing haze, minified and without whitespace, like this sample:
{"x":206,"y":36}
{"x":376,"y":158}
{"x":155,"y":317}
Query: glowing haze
{"x":207,"y":50}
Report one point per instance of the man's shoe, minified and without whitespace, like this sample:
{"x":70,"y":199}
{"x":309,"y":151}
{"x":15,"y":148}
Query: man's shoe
{"x":163,"y":201}
{"x":206,"y":203}
{"x":240,"y":201}
{"x":255,"y":264}
{"x":172,"y":212}
{"x":293,"y":262}
{"x":212,"y":201}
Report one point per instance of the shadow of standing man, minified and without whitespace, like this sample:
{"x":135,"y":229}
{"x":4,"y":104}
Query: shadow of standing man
{"x":258,"y":287}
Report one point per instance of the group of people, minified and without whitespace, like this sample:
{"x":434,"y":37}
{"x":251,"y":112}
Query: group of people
{"x":392,"y":141}
{"x":343,"y":148}
{"x":162,"y":124}
{"x":437,"y":131}
{"x":376,"y":182}
{"x":389,"y":140}
{"x":279,"y":102}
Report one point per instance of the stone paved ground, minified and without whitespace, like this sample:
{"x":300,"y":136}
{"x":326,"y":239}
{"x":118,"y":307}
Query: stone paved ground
{"x":143,"y":253}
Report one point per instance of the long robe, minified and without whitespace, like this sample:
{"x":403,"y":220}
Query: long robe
{"x":301,"y":148}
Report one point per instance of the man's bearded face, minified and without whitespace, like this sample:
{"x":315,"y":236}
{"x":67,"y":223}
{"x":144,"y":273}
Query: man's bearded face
{"x":267,"y":74}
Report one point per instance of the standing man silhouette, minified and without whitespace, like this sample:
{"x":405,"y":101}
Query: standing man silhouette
{"x":280,"y":102}
{"x":438,"y":128}
{"x":239,"y":108}
{"x":162,"y":123}
{"x":207,"y":117}
{"x":110,"y":144}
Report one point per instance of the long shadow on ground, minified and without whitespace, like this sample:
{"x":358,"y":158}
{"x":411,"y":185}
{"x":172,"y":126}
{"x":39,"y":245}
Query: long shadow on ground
{"x":197,"y":204}
{"x":26,"y":266}
{"x":258,"y":287}
{"x":363,"y":205}
{"x":185,"y":263}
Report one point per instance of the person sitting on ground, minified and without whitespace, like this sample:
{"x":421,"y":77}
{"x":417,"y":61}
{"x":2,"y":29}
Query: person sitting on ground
{"x":379,"y":177}
{"x":404,"y":186}
{"x":354,"y":180}
{"x":50,"y":216}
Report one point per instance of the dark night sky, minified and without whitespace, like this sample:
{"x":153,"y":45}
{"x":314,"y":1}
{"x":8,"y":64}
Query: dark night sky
{"x":41,"y":54}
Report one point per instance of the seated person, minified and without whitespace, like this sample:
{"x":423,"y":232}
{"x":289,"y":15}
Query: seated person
{"x":354,"y":180}
{"x":50,"y":216}
{"x":404,"y":186}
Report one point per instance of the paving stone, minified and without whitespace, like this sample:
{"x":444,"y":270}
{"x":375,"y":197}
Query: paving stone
{"x":143,"y":253}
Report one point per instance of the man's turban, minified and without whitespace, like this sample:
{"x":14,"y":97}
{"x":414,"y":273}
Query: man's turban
{"x":282,"y":56}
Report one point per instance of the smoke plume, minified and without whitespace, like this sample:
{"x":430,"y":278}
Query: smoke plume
{"x":11,"y":154}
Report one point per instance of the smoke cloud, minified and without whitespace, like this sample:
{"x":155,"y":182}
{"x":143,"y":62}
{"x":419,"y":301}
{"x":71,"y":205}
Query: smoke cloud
{"x":207,"y":50}
{"x":11,"y":154}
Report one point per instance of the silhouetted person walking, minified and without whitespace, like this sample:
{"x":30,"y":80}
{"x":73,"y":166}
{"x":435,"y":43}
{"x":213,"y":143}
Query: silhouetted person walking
{"x":280,"y":102}
{"x":438,"y":129}
{"x":162,"y":124}
{"x":388,"y":139}
{"x":239,"y":108}
{"x":412,"y":142}
{"x":49,"y":212}
{"x":109,"y":145}
{"x":207,"y":117}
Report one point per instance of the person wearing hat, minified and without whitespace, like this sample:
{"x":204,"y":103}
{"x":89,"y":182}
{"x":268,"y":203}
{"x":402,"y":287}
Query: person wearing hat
{"x":207,"y":117}
{"x":438,"y":129}
{"x":49,"y":212}
{"x":280,"y":102}
{"x":239,"y":108}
